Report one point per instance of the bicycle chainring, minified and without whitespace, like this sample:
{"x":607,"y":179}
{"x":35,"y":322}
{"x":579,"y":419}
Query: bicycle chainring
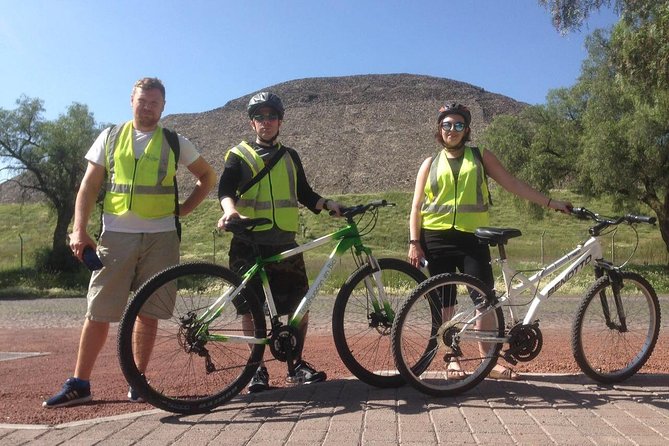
{"x":525,"y":342}
{"x":283,"y":341}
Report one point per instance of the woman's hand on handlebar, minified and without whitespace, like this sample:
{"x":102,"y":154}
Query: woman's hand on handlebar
{"x":561,"y":206}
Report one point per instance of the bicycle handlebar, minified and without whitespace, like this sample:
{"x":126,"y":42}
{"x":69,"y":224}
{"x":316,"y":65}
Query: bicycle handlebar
{"x":240,"y":225}
{"x":604,"y":222}
{"x":358,"y":209}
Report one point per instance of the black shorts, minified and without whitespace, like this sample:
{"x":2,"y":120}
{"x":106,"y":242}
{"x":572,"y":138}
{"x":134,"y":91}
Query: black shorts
{"x":287,"y":279}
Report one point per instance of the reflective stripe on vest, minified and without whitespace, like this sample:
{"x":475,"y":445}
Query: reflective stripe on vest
{"x":144,"y":186}
{"x":462,"y":206}
{"x":274,"y":196}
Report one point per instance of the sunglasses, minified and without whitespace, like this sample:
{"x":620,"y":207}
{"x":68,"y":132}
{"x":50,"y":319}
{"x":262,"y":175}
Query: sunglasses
{"x":263,"y":118}
{"x":457,"y":126}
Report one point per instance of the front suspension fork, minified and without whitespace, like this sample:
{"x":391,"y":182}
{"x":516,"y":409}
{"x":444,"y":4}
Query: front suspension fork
{"x":616,"y":280}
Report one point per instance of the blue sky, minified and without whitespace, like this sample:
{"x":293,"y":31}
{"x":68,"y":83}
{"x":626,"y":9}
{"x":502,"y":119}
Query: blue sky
{"x":209,"y":52}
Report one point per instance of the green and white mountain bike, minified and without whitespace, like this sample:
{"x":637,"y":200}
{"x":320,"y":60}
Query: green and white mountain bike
{"x":202,"y":355}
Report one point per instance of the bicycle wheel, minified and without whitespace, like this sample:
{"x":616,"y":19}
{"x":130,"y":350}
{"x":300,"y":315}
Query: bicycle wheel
{"x":189,"y":371}
{"x":361,"y":330}
{"x":428,"y":336}
{"x":604,"y":351}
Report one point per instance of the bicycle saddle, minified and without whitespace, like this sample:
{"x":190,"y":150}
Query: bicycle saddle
{"x":497,"y":236}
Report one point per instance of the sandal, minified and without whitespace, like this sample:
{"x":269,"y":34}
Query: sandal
{"x":453,"y":371}
{"x":506,"y":375}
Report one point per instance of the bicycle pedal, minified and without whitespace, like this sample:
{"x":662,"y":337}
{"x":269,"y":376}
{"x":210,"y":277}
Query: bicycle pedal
{"x":508,"y":357}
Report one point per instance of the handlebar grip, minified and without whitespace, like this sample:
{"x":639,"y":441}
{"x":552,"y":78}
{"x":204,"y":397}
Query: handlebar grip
{"x":581,"y":213}
{"x":640,"y":219}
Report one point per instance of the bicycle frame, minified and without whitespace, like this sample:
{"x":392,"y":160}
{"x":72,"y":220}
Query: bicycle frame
{"x":583,"y":255}
{"x":572,"y":263}
{"x":348,"y":238}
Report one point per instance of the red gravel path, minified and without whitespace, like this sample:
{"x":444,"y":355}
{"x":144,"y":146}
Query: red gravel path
{"x":27,"y":382}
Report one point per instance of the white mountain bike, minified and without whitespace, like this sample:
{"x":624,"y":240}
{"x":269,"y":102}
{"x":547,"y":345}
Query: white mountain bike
{"x":457,"y":318}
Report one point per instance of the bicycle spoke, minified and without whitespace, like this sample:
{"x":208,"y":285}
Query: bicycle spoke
{"x":362,"y":323}
{"x":439,"y":329}
{"x":603,"y":349}
{"x":188,"y":370}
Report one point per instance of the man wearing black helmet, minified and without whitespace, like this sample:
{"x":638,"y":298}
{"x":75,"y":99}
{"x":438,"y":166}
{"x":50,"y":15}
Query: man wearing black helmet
{"x":275,"y":196}
{"x":451,"y":200}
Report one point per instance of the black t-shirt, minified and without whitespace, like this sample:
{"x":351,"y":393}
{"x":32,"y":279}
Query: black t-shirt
{"x":237,"y":173}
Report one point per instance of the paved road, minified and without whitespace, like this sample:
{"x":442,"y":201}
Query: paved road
{"x":542,"y":410}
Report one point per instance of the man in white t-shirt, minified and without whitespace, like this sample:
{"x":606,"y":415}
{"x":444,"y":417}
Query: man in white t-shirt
{"x":139,"y":236}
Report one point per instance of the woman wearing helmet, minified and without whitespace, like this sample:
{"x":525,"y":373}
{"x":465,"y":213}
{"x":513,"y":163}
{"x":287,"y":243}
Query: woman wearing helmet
{"x":451,"y":200}
{"x":275,"y":196}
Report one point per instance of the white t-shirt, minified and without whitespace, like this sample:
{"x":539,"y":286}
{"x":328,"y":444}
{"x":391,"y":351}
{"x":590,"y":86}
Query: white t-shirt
{"x":129,"y":221}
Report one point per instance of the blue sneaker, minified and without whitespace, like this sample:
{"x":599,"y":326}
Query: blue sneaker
{"x":75,"y":391}
{"x":133,"y":396}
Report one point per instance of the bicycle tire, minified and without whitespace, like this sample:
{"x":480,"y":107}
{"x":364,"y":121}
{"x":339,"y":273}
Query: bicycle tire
{"x":361,"y":334}
{"x":183,"y":375}
{"x":604,"y":353}
{"x":423,"y":345}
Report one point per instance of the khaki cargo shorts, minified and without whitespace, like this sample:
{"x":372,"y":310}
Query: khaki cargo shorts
{"x":130,"y":260}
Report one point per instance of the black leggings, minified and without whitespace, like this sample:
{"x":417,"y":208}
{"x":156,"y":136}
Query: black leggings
{"x":451,"y":250}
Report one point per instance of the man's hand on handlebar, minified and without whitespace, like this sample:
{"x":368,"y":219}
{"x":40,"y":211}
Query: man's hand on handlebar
{"x":333,"y":208}
{"x":226,"y":218}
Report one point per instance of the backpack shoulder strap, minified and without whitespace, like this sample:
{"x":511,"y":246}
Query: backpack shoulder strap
{"x":173,"y":141}
{"x":479,"y":156}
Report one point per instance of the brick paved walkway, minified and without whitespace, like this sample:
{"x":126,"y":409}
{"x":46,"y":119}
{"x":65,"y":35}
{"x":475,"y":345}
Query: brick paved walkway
{"x":541,"y":410}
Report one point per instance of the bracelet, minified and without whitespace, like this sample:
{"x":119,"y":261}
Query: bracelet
{"x":414,"y":242}
{"x":548,"y":205}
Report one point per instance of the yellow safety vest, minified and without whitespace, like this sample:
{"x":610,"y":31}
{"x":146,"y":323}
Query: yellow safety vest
{"x":274,"y":196}
{"x":462,"y":205}
{"x":145,"y":186}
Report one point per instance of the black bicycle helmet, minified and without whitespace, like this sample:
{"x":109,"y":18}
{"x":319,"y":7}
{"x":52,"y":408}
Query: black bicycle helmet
{"x":265,"y":99}
{"x":455,"y":109}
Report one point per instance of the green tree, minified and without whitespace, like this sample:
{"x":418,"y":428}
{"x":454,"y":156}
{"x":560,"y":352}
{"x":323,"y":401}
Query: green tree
{"x":600,"y":137}
{"x":569,"y":15}
{"x":625,"y":139}
{"x":47,"y":157}
{"x":639,"y":42}
{"x":539,"y":145}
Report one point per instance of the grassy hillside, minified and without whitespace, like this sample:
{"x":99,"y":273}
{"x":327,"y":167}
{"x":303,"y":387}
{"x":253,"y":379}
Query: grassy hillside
{"x":545,"y":239}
